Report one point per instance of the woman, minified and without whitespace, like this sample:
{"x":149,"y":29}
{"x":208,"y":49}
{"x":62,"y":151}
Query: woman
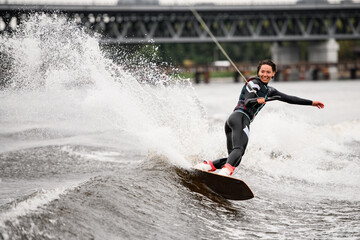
{"x":237,"y":127}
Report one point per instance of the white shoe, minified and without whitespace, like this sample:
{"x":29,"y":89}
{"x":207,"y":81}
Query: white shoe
{"x":205,"y":166}
{"x":227,"y":170}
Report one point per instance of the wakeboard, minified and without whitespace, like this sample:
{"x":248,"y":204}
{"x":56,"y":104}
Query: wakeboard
{"x":227,"y":187}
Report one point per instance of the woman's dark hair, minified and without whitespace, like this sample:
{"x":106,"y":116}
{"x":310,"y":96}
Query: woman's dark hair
{"x":266,"y":62}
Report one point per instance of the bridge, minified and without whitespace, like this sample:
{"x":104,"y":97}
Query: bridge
{"x":172,"y":24}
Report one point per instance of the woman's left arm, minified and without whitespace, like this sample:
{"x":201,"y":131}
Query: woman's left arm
{"x":294,"y":100}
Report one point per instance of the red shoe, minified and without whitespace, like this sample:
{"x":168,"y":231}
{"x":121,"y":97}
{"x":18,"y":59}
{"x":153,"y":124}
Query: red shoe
{"x":205,"y":166}
{"x":227,"y":170}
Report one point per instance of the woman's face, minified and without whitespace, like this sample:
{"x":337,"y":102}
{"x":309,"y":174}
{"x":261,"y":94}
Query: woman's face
{"x":265,"y":73}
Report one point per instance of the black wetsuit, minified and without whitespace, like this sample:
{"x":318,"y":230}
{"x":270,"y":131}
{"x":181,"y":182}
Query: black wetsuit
{"x":237,"y":126}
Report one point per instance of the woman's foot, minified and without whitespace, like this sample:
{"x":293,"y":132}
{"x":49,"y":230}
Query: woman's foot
{"x":205,"y":166}
{"x":227,"y":170}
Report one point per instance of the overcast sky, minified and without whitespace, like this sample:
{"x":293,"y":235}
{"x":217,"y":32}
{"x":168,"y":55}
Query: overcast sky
{"x":163,"y":2}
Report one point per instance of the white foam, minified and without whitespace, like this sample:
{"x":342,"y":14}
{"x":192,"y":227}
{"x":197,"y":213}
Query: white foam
{"x":284,"y":146}
{"x":32,"y":204}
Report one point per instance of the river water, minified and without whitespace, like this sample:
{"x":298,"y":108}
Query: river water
{"x":92,"y":149}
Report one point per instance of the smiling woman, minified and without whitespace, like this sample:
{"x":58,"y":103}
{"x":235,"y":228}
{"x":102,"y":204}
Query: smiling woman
{"x":266,"y":71}
{"x":252,"y":99}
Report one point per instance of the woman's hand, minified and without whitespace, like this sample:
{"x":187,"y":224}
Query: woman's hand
{"x":318,"y":104}
{"x":261,"y":100}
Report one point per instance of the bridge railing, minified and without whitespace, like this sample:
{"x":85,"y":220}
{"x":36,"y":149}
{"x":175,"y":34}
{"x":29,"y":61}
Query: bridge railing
{"x":161,"y":24}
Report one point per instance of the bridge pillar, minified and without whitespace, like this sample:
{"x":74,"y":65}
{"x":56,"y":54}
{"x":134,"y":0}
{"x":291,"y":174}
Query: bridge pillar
{"x":285,"y":55}
{"x":325,"y":53}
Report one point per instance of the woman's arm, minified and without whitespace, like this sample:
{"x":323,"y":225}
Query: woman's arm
{"x":293,"y":99}
{"x":251,"y":93}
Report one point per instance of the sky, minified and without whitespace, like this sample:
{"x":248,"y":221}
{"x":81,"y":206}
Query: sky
{"x":162,"y":2}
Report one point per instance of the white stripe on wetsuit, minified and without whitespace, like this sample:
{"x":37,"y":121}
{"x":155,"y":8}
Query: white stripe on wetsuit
{"x":247,"y":131}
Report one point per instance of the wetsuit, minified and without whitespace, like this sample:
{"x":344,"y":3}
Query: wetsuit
{"x":237,"y":126}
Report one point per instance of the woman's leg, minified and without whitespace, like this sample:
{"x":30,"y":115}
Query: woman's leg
{"x":237,"y":131}
{"x":239,"y":138}
{"x":219,"y":163}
